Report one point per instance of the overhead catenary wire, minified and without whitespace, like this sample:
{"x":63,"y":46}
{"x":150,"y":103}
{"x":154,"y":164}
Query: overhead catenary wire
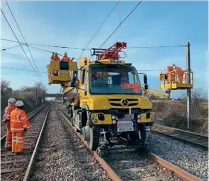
{"x":158,"y":46}
{"x":129,"y":47}
{"x":22,"y":36}
{"x":14,"y":68}
{"x":52,"y":46}
{"x":4,"y":49}
{"x":42,"y":49}
{"x":121,"y":23}
{"x":38,"y":48}
{"x":20,"y":44}
{"x":47,"y":50}
{"x":100,"y":27}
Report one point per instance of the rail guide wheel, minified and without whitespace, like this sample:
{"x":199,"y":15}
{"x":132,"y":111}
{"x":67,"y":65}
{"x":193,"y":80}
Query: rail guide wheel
{"x":94,"y":139}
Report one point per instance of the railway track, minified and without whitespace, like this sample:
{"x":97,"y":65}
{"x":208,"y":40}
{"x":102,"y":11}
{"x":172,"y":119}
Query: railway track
{"x":62,"y":156}
{"x":18,"y":167}
{"x":129,"y":165}
{"x":186,"y":136}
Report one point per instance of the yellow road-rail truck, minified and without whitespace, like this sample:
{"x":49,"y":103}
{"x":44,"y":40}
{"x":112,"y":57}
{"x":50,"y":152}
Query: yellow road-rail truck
{"x":107,"y":103}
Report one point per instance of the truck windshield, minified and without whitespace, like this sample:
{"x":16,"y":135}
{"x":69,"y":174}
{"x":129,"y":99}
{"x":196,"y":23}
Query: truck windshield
{"x":113,"y":79}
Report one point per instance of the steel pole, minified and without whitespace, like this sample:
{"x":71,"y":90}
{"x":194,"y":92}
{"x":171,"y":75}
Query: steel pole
{"x":188,"y":90}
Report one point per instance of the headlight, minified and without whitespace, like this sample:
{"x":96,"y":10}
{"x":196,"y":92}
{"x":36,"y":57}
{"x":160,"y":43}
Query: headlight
{"x":113,"y":117}
{"x":139,"y":116}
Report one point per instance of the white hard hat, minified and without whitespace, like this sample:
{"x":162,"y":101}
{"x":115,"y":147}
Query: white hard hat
{"x":11,"y":100}
{"x":19,"y":103}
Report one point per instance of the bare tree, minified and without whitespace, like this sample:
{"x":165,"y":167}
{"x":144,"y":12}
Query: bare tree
{"x":5,"y":88}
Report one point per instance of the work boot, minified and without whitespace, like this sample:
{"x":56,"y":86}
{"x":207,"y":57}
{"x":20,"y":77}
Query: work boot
{"x":21,"y":153}
{"x":17,"y":153}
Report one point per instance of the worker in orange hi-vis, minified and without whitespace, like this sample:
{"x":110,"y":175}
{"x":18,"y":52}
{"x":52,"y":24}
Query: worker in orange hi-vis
{"x":6,"y":120}
{"x":19,"y":125}
{"x":179,"y":73}
{"x":65,"y":58}
{"x":53,"y":56}
{"x":56,"y":57}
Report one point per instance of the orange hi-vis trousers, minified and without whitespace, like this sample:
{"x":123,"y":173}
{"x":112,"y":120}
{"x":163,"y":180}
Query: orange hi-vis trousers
{"x":6,"y":117}
{"x":17,"y":141}
{"x":8,"y":142}
{"x":19,"y":122}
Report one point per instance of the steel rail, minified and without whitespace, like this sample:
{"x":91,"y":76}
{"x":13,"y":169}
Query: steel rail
{"x":178,"y":171}
{"x":101,"y":161}
{"x":28,"y":171}
{"x":179,"y":131}
{"x":30,"y":117}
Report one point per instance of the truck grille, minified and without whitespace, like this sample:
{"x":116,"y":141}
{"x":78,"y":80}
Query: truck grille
{"x":118,"y":102}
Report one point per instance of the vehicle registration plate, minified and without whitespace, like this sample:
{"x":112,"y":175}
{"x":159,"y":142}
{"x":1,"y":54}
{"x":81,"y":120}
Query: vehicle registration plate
{"x":126,"y":129}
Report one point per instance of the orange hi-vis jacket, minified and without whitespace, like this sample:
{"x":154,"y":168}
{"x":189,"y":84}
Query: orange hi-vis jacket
{"x":57,"y":58}
{"x":177,"y":69}
{"x":52,"y":57}
{"x":7,"y":112}
{"x":19,"y":121}
{"x":66,"y":59}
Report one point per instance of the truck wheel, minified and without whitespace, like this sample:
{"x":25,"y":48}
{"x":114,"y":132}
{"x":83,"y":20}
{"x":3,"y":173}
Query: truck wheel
{"x":83,"y":118}
{"x":86,"y":133}
{"x":73,"y":119}
{"x":70,"y":111}
{"x":94,"y":139}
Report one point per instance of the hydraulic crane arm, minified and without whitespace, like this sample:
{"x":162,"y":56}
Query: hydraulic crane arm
{"x":156,"y":93}
{"x":111,"y":52}
{"x":67,"y":88}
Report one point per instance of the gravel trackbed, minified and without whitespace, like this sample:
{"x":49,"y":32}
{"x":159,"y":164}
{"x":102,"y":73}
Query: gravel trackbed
{"x":62,"y":156}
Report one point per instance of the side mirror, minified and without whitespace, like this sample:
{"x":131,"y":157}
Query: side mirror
{"x":75,"y":75}
{"x":74,"y":79}
{"x":145,"y":86}
{"x":145,"y":79}
{"x":145,"y":82}
{"x":73,"y":83}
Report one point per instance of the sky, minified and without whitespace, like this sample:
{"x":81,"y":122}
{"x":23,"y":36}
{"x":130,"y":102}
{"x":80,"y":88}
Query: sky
{"x":73,"y":24}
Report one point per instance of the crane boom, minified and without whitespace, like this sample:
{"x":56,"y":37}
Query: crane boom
{"x":156,"y":93}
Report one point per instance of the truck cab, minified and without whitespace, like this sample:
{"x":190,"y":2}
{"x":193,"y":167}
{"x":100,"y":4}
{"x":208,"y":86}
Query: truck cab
{"x":111,"y":103}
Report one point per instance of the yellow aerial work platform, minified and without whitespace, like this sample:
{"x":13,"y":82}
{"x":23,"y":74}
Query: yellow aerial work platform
{"x":173,"y":81}
{"x":60,"y":72}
